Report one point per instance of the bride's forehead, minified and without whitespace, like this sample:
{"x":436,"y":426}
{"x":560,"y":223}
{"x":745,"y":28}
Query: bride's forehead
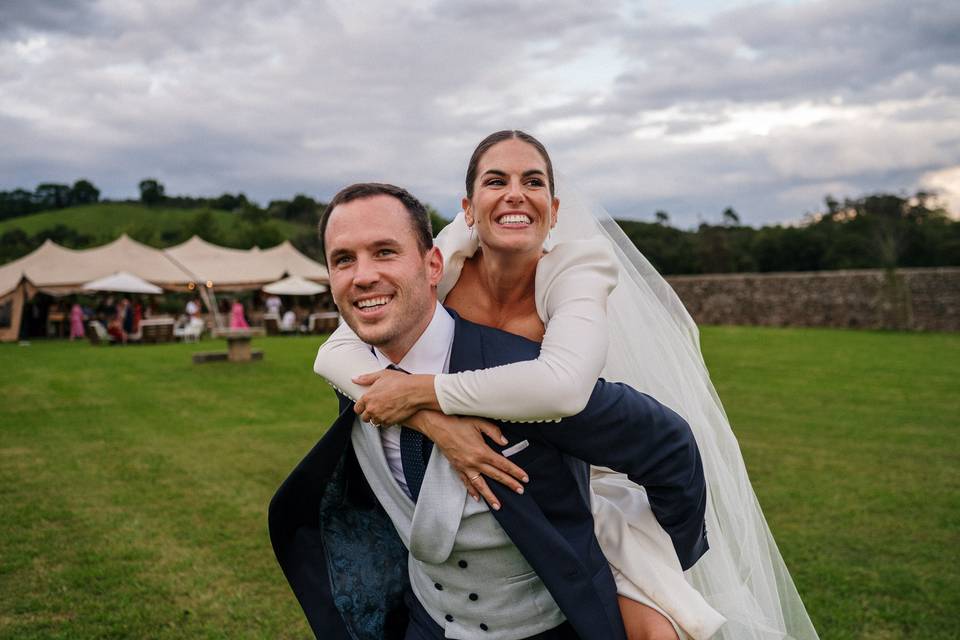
{"x":512,"y":153}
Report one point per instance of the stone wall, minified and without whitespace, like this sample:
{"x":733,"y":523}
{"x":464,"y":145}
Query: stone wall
{"x":911,"y":299}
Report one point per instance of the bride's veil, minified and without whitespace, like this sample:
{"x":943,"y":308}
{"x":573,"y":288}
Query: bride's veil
{"x":655,"y":347}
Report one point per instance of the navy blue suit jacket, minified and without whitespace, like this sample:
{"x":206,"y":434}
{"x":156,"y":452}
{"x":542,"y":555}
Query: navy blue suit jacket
{"x":348,"y":568}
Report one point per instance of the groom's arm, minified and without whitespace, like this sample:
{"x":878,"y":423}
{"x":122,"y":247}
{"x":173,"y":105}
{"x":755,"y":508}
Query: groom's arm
{"x":632,"y":433}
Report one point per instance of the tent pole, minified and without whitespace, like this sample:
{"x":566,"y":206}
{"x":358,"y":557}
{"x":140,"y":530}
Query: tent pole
{"x":23,"y":310}
{"x":210,"y":299}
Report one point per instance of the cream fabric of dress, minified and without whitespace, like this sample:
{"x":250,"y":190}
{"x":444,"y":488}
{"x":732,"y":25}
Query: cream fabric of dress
{"x":573,"y":282}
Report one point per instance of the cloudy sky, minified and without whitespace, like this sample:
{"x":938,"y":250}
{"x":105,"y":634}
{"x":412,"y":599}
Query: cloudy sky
{"x":684,"y":106}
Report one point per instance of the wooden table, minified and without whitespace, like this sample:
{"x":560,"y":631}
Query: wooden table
{"x":238,"y":346}
{"x":159,"y":329}
{"x":57,"y":324}
{"x":323,"y":322}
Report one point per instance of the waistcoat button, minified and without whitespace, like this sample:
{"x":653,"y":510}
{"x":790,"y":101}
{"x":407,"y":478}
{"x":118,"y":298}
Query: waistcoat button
{"x":438,"y":586}
{"x":483,"y":627}
{"x":473,"y":596}
{"x":462,"y":564}
{"x":448,"y":618}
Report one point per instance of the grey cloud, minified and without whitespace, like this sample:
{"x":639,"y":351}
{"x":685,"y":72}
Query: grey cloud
{"x":276,"y":98}
{"x":71,"y":16}
{"x":775,"y":52}
{"x":520,"y":23}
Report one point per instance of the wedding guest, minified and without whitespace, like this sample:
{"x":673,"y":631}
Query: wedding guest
{"x":273,"y":304}
{"x":115,"y":326}
{"x":289,"y":322}
{"x":237,"y":319}
{"x":193,"y":307}
{"x":137,"y":315}
{"x":76,"y":321}
{"x":127,"y":316}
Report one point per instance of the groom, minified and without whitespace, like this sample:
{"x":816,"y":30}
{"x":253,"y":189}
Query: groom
{"x":377,"y":538}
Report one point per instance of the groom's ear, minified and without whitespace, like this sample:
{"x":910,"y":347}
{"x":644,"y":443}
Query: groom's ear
{"x":434,"y":261}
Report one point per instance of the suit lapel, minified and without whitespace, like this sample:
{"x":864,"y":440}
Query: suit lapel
{"x":466,"y":354}
{"x":531,"y":530}
{"x":439,"y":509}
{"x":467,"y":350}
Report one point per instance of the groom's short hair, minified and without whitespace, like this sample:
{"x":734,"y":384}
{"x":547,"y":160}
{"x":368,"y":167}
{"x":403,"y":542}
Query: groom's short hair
{"x":419,"y":216}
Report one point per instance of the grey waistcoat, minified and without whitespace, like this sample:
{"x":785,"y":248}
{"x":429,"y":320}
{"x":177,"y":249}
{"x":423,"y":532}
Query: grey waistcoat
{"x":464,"y":569}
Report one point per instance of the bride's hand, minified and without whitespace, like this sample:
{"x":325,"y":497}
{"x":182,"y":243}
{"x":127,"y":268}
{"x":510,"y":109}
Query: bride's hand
{"x":393,"y":396}
{"x":460,"y":439}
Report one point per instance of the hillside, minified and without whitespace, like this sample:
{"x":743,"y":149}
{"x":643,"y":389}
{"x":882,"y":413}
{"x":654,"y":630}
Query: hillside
{"x":157,"y":226}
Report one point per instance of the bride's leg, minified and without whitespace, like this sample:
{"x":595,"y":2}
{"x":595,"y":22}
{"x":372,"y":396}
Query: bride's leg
{"x":644,"y":623}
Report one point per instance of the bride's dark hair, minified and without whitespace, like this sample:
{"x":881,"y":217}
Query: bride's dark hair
{"x":500,"y":136}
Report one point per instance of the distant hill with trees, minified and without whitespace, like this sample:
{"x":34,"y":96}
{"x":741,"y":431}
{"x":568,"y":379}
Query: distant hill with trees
{"x":47,"y":195}
{"x":76,"y":218}
{"x":92,"y":225}
{"x":879,"y":230}
{"x":875,"y":231}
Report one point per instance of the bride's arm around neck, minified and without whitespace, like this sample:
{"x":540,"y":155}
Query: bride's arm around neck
{"x":572,"y":284}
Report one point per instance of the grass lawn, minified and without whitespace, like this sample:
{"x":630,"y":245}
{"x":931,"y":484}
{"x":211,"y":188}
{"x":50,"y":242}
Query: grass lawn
{"x":134,"y":484}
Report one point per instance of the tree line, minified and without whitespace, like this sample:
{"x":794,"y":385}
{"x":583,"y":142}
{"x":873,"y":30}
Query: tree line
{"x":47,"y":195}
{"x":879,"y":230}
{"x":875,"y":231}
{"x":254,"y":223}
{"x":50,"y":195}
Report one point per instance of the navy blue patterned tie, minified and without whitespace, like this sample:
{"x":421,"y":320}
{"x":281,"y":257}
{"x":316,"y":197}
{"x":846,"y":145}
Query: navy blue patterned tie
{"x":414,"y":453}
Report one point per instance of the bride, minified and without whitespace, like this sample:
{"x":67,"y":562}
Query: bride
{"x":599,"y":308}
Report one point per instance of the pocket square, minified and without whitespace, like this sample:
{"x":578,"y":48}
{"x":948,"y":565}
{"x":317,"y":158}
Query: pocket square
{"x":517,"y":448}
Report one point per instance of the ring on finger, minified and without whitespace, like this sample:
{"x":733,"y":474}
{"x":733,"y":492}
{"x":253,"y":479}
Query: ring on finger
{"x":475,"y":478}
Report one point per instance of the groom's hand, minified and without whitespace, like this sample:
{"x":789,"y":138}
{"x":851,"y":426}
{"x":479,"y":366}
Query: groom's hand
{"x":461,"y":440}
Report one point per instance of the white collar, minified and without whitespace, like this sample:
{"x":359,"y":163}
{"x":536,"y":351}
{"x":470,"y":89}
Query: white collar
{"x":431,"y":352}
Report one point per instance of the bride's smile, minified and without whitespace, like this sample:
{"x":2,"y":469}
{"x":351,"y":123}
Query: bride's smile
{"x":512,"y":206}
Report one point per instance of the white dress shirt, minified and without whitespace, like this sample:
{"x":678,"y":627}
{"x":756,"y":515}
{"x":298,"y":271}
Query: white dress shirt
{"x":431,"y":355}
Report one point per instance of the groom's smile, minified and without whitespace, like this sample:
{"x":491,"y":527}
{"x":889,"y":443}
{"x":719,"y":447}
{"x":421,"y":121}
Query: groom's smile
{"x":370,"y":307}
{"x":373,"y":303}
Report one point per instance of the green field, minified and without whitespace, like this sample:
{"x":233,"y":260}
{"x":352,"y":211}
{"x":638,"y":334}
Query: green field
{"x":105,"y":221}
{"x":134,"y":484}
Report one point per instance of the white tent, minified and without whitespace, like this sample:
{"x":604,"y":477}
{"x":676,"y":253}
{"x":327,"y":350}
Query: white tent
{"x":294,"y":286}
{"x":152,"y":265}
{"x":239,"y":269}
{"x":222,"y":266}
{"x":50,"y":265}
{"x":287,"y":257}
{"x":56,"y":270}
{"x":122,"y":282}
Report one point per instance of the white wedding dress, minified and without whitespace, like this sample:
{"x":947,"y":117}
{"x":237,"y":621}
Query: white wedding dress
{"x":631,"y":333}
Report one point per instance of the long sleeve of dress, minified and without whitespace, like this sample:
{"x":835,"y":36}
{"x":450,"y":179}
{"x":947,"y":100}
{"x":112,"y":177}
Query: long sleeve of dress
{"x":573,"y":283}
{"x":342,"y":357}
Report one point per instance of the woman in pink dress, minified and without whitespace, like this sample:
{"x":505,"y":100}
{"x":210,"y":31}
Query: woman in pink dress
{"x":237,"y":321}
{"x":76,"y":321}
